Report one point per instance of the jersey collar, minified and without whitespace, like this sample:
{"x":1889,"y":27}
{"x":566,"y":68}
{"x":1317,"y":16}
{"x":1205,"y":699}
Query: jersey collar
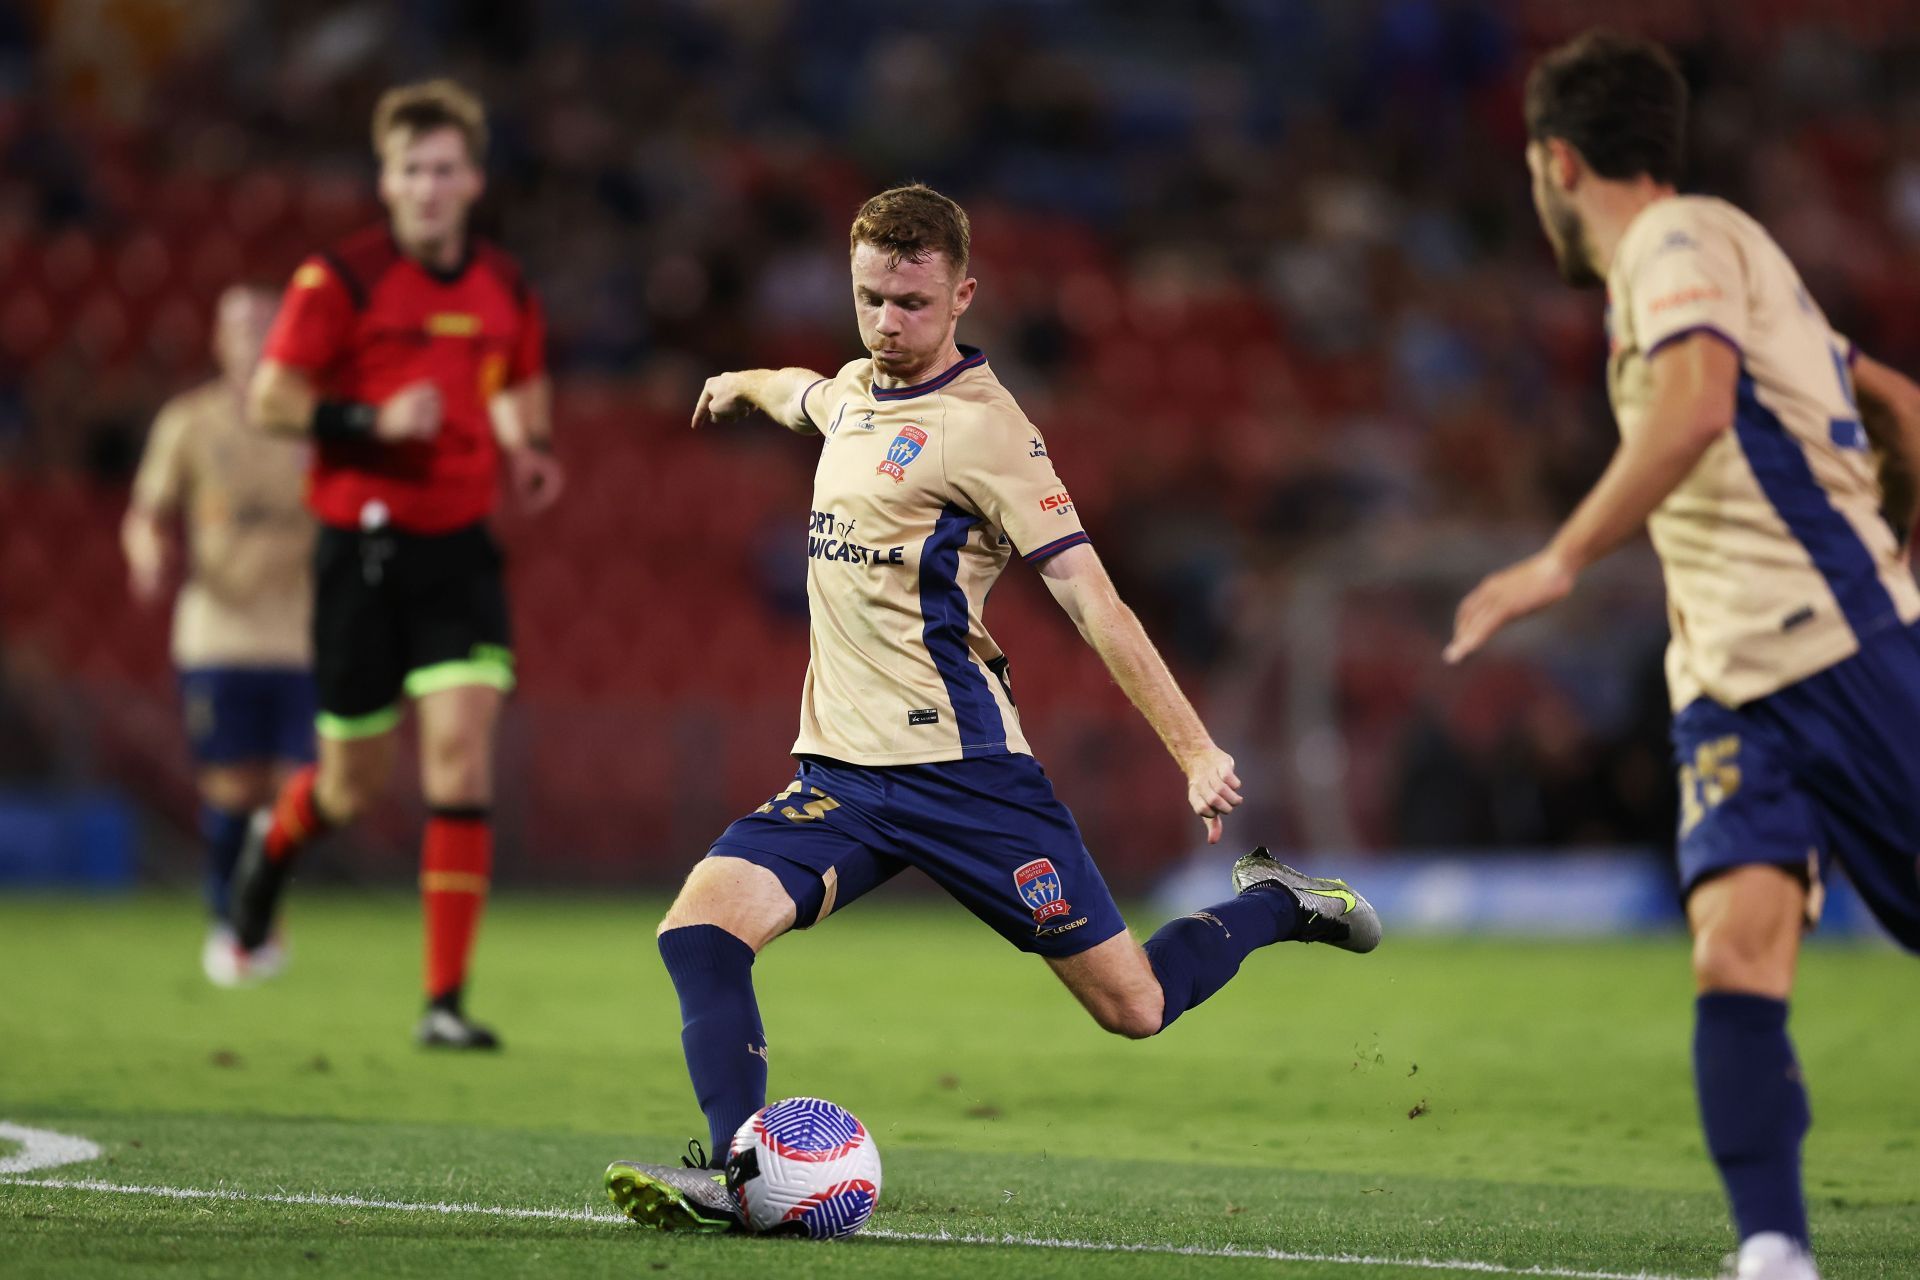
{"x":970,"y":358}
{"x":440,"y":275}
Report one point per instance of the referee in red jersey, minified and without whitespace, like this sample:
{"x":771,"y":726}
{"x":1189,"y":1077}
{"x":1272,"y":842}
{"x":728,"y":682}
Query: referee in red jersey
{"x":411,"y":354}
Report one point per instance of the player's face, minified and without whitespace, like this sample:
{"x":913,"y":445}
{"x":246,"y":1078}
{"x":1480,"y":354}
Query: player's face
{"x":240,"y":330}
{"x":428,"y":182}
{"x":907,"y":311}
{"x":1559,"y":219}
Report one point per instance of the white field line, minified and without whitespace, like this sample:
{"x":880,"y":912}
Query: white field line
{"x":232,"y":1196}
{"x":43,"y":1149}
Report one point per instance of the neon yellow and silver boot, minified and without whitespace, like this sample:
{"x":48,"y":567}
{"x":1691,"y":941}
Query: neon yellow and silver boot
{"x":691,"y":1197}
{"x":1336,"y":915}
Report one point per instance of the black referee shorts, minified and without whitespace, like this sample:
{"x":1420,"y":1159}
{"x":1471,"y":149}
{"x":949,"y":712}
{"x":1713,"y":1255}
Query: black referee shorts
{"x":411,"y":613}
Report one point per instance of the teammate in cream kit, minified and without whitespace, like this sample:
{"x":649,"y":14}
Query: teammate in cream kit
{"x":241,"y":621}
{"x":1794,"y":666}
{"x":930,"y":482}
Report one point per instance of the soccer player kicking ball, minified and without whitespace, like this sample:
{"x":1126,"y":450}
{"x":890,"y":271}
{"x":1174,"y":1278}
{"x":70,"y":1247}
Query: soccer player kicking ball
{"x":930,"y":479}
{"x":411,"y":354}
{"x":1795,"y":664}
{"x":240,"y":633}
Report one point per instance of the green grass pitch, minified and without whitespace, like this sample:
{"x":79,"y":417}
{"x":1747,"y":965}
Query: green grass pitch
{"x":1525,"y":1105}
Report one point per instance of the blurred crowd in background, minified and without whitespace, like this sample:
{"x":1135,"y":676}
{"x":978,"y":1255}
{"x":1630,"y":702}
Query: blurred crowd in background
{"x":1264,"y":271}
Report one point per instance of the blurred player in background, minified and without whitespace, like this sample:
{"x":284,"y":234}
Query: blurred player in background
{"x":1794,"y":667}
{"x":930,"y":480}
{"x":241,"y":637}
{"x":411,"y":354}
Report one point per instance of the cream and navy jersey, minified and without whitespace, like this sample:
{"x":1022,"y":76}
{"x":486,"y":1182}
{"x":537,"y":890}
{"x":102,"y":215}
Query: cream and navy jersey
{"x":1778,"y":562}
{"x":248,"y":593}
{"x":922,"y":496}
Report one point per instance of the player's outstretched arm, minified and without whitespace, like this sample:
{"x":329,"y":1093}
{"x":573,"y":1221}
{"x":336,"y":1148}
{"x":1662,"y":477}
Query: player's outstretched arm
{"x":781,"y":394}
{"x":1694,"y":382}
{"x":1890,"y":410}
{"x":1080,"y":583}
{"x":282,"y":399}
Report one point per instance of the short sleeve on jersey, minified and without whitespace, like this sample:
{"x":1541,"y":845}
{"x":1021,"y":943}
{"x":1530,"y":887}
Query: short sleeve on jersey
{"x":314,"y":321}
{"x":999,"y":465}
{"x":806,"y":395}
{"x":1687,"y":279}
{"x":162,"y":480}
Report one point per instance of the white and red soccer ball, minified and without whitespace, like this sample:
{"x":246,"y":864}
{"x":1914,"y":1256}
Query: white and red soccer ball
{"x":804,"y":1166}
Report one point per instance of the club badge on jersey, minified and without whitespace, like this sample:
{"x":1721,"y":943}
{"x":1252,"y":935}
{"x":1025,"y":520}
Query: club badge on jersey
{"x":1039,"y":886}
{"x":900,"y":454}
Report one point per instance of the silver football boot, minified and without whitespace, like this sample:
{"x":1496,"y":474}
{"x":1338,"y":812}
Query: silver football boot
{"x":691,"y":1197}
{"x":1336,"y":915}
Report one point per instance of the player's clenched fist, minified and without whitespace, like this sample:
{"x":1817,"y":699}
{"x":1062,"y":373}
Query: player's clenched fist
{"x":411,"y":413}
{"x":1213,"y":789}
{"x":726,"y":395}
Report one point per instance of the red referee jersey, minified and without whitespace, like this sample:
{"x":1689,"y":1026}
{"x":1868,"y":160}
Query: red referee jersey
{"x":364,"y":320}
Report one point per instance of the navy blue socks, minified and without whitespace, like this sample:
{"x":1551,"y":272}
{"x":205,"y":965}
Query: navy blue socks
{"x":1754,"y":1108}
{"x":720,"y":1029}
{"x":1197,"y":955}
{"x":223,"y":832}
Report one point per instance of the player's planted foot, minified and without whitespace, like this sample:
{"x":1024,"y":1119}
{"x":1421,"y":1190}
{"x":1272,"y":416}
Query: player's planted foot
{"x":444,"y":1029}
{"x":258,"y":882}
{"x":1336,"y":914}
{"x":228,"y":964}
{"x":692,"y":1197}
{"x":445,"y":1026}
{"x":1770,"y":1255}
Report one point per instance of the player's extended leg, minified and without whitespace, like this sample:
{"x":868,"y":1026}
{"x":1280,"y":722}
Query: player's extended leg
{"x":352,"y":772}
{"x":457,"y":727}
{"x":1138,"y":991}
{"x":726,"y":913}
{"x":1746,"y":927}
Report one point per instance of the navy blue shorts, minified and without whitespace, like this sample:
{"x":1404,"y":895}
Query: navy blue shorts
{"x":236,"y":715}
{"x":987,"y":830}
{"x":1827,"y":768}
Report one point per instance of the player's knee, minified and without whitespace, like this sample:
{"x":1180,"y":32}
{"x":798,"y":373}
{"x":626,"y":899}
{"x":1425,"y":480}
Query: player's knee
{"x":1136,"y":1018}
{"x":341,"y":804}
{"x":1728,"y":957}
{"x":237,"y":787}
{"x":747,"y":901}
{"x":456,"y":770}
{"x":344,"y":795}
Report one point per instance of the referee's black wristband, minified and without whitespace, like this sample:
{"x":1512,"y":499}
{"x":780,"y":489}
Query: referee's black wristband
{"x":336,"y":420}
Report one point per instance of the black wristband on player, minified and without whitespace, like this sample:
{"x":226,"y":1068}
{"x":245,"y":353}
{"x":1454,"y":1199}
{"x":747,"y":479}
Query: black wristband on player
{"x":335,"y":420}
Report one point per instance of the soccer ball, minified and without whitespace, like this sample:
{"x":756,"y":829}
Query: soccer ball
{"x":804,"y":1167}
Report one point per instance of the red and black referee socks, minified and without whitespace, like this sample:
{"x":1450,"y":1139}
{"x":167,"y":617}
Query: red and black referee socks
{"x":297,"y":819}
{"x":456,"y":870}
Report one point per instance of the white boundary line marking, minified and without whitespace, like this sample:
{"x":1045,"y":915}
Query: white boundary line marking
{"x":43,"y":1149}
{"x":917,"y":1237}
{"x":329,"y":1201}
{"x":47,"y":1148}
